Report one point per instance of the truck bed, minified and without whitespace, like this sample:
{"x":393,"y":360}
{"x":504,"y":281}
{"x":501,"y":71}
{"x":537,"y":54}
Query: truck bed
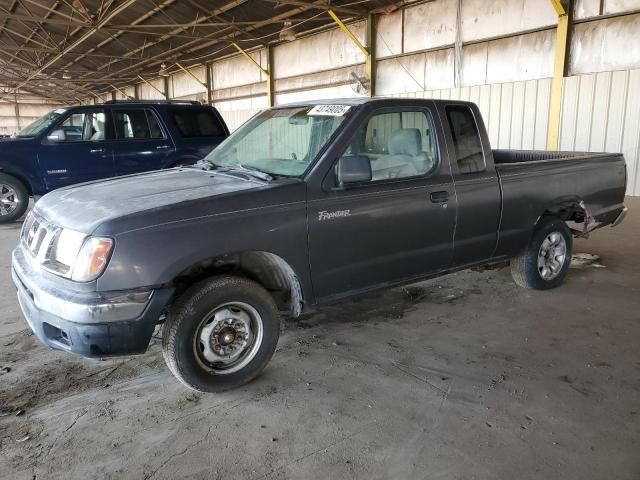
{"x":531,"y":181}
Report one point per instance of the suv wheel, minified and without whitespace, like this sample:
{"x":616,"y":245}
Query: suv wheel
{"x":14,"y":198}
{"x":545,"y":261}
{"x":220,"y":334}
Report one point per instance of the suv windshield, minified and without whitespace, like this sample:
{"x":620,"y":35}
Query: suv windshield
{"x":281,"y":141}
{"x":41,"y":124}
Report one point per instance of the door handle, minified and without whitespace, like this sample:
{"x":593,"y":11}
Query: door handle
{"x":162,"y":147}
{"x":439,"y":197}
{"x":96,"y":150}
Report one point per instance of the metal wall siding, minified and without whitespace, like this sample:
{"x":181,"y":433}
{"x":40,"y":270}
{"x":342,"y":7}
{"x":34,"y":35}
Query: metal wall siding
{"x":631,"y":133}
{"x":601,"y":112}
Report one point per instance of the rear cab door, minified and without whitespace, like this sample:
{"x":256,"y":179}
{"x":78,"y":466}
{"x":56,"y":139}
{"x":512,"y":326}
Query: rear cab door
{"x":141,"y":143}
{"x":395,"y":227}
{"x":79,"y":148}
{"x":476,"y":183}
{"x":197,"y":129}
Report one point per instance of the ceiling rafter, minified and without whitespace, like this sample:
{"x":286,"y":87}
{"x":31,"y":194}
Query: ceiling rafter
{"x":72,"y":47}
{"x":116,"y":11}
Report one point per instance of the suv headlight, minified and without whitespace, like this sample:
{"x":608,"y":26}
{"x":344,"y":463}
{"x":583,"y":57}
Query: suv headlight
{"x":92,"y":259}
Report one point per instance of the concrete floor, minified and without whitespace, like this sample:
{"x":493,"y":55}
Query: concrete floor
{"x":464,"y":377}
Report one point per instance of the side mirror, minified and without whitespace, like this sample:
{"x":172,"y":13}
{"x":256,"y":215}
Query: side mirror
{"x":57,"y":136}
{"x":353,"y":169}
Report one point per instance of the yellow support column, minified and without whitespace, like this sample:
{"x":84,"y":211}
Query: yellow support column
{"x":558,"y":75}
{"x":369,"y":66}
{"x":151,"y":85}
{"x":267,"y":73}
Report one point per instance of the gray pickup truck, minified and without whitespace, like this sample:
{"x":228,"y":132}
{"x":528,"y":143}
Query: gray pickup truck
{"x":304,"y":205}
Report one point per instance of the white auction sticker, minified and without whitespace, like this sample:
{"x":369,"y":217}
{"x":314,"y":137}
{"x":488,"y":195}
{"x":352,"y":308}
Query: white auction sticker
{"x":329,"y":110}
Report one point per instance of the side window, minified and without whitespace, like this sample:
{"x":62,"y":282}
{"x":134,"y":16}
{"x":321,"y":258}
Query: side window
{"x":399,"y":144}
{"x":466,"y":139}
{"x":196,"y":122}
{"x":84,"y":126}
{"x":136,"y":123}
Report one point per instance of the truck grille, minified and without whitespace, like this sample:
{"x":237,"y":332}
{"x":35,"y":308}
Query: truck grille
{"x":40,"y":238}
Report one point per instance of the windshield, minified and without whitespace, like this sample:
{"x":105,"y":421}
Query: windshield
{"x":41,"y":124}
{"x":281,"y":141}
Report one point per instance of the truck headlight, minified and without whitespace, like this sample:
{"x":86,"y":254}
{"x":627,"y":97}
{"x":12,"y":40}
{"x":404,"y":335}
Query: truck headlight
{"x":92,"y":259}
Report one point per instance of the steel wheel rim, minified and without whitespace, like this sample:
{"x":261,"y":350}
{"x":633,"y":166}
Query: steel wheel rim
{"x":228,"y":338}
{"x":552,"y":255}
{"x":9,"y":199}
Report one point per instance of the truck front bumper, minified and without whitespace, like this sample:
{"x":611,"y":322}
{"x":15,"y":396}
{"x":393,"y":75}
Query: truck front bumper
{"x":91,"y":324}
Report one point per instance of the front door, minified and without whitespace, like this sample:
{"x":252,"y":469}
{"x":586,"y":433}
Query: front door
{"x":397,"y":226}
{"x":78,"y":149}
{"x":140,"y":145}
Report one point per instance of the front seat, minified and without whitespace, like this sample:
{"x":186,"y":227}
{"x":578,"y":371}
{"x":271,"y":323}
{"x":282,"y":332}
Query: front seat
{"x":405,"y":145}
{"x":99,"y":127}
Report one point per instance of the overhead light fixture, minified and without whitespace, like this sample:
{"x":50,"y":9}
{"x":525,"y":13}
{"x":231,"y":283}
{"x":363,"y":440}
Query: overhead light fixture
{"x":164,"y":71}
{"x":66,"y":75}
{"x":287,"y":34}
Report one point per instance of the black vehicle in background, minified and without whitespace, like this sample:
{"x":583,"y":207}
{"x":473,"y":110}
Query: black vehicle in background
{"x":304,"y":205}
{"x":91,"y":142}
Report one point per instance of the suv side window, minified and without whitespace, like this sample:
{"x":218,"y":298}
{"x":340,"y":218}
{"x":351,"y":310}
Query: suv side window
{"x":466,"y":139}
{"x":136,"y":123}
{"x":196,"y":122}
{"x":84,"y":126}
{"x":399,"y":144}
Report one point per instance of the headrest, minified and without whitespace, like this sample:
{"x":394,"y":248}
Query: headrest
{"x":405,"y":141}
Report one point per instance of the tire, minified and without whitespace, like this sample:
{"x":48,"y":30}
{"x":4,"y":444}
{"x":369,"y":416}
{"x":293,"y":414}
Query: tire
{"x":526,"y":269}
{"x":217,"y":309}
{"x":14,"y":198}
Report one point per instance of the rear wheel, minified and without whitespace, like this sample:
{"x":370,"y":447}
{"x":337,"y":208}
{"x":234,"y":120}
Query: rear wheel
{"x":220,"y":334}
{"x":545,"y":261}
{"x":14,"y":198}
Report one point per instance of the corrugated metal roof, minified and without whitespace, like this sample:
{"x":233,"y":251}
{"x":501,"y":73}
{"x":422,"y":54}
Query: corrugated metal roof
{"x":70,"y":49}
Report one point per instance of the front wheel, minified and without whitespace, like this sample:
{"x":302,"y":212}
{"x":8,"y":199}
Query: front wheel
{"x":14,"y":198}
{"x":545,"y":261}
{"x":220,"y":334}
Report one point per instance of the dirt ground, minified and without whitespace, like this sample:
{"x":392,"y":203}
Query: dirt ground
{"x":463,"y":377}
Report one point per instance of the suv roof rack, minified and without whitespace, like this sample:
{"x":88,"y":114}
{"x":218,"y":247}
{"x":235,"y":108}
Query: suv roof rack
{"x":183,"y":102}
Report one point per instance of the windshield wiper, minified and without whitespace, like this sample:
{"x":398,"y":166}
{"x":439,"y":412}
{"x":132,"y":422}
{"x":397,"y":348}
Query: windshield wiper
{"x":257,"y":172}
{"x":254,"y":172}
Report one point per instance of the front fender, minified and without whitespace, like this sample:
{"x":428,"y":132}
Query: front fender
{"x":155,"y":256}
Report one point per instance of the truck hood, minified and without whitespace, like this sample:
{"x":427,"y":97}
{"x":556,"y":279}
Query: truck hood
{"x":84,"y":207}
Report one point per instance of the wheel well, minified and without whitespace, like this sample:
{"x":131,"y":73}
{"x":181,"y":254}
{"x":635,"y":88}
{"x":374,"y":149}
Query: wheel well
{"x":568,"y":210}
{"x":267,"y":269}
{"x":21,"y":179}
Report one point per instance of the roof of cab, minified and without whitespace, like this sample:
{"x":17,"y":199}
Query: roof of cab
{"x":368,"y":100}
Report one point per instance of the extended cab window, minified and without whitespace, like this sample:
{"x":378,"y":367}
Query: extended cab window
{"x":466,"y":139}
{"x":82,"y":126}
{"x":399,"y":144}
{"x":136,"y":123}
{"x":197,"y":122}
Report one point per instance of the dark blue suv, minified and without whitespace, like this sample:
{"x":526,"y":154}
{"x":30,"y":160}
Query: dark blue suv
{"x":90,"y":142}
